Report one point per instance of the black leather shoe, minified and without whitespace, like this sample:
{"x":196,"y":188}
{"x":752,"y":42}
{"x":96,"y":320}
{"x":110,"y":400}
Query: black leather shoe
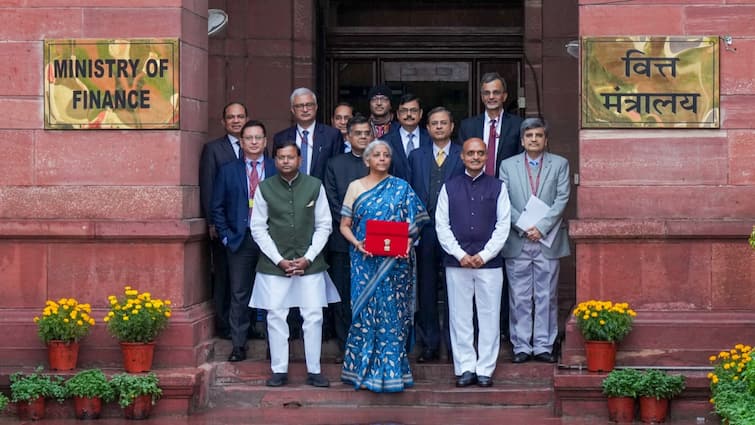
{"x":237,"y":355}
{"x":277,"y":380}
{"x":317,"y":380}
{"x":484,"y":381}
{"x":545,"y":358}
{"x":466,"y":379}
{"x":520,"y":358}
{"x":427,"y":356}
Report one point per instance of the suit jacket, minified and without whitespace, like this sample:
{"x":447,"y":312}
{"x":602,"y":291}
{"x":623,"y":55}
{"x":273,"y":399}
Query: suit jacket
{"x":215,"y":154}
{"x":509,"y":141}
{"x":400,"y":161}
{"x":553,"y":190}
{"x":326,"y":143}
{"x":230,"y":201}
{"x":420,"y":162}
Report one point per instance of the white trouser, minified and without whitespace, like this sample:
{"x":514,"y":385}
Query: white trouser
{"x":483,"y":287}
{"x":277,"y":331}
{"x":533,"y":285}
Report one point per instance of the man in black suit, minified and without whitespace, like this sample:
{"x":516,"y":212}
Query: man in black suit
{"x":408,"y":136}
{"x":318,"y":142}
{"x":381,"y":110}
{"x":215,"y":154}
{"x":431,"y":166}
{"x":342,"y":170}
{"x":493,"y":124}
{"x":232,"y":205}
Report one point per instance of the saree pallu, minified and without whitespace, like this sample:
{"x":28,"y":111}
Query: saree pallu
{"x":382,"y":293}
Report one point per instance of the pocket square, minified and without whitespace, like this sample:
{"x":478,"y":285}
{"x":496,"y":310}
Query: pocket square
{"x":311,"y":204}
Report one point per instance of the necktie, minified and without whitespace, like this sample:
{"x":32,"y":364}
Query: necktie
{"x":254,"y":180}
{"x":490,"y":162}
{"x":440,"y":158}
{"x":304,"y":149}
{"x":239,"y":152}
{"x":410,"y":144}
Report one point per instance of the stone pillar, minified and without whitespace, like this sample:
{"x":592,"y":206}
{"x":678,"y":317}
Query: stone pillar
{"x":84,"y":213}
{"x":664,"y":215}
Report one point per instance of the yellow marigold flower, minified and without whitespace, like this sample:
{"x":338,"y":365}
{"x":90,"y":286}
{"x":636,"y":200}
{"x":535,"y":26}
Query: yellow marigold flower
{"x":110,"y":314}
{"x":106,"y":319}
{"x":735,"y":357}
{"x":715,"y":379}
{"x":131,"y":292}
{"x":148,"y":305}
{"x":167,"y":302}
{"x":126,"y":288}
{"x":125,"y":318}
{"x":602,"y":322}
{"x":594,"y":314}
{"x":80,"y":323}
{"x":36,"y":320}
{"x":65,"y":306}
{"x":739,"y":346}
{"x":710,"y":375}
{"x":747,"y":348}
{"x":735,"y":378}
{"x":116,"y":307}
{"x":585,"y":317}
{"x":73,"y":314}
{"x":632,"y":313}
{"x":46,"y":313}
{"x":62,"y":301}
{"x":138,"y":306}
{"x":712,"y":359}
{"x":134,"y":311}
{"x":712,"y":401}
{"x":91,"y":321}
{"x":727,"y":366}
{"x":65,"y":320}
{"x":167,"y":314}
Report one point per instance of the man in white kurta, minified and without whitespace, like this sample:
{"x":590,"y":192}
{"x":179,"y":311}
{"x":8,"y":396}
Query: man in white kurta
{"x":472,"y":223}
{"x":291,"y":223}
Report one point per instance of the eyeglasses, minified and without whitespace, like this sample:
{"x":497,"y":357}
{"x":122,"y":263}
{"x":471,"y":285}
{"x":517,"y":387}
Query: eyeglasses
{"x":404,"y":111}
{"x":359,"y":133}
{"x":487,"y":93}
{"x":257,"y":137}
{"x":300,"y":106}
{"x":379,"y":98}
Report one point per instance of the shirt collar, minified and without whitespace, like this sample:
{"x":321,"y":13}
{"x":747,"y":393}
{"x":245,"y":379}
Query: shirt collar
{"x":310,"y":129}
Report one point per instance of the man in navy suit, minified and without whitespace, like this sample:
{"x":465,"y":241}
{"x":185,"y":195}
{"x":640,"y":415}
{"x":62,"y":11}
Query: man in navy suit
{"x":408,"y":136}
{"x":342,"y":113}
{"x":318,"y":142}
{"x":215,"y":154}
{"x":494,"y":124}
{"x":232,"y":204}
{"x":431,"y":166}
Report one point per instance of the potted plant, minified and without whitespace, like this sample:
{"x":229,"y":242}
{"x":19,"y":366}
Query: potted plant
{"x":30,"y":391}
{"x":61,"y":326}
{"x":620,"y":386}
{"x":732,"y":384}
{"x":603,"y":324}
{"x":136,"y":393}
{"x":89,"y":388}
{"x":135,"y":319}
{"x":655,"y":389}
{"x":3,"y":402}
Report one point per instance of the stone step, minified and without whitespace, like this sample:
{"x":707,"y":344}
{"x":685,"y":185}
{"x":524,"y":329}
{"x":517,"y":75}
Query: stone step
{"x":296,"y":394}
{"x":255,"y":372}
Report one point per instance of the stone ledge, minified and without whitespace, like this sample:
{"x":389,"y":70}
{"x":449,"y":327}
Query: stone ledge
{"x":601,"y":229}
{"x":172,"y":230}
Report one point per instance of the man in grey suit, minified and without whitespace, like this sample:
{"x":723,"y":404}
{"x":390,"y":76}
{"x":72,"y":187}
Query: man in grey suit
{"x":532,"y":266}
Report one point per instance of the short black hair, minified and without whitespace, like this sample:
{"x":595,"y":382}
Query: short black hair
{"x":357,"y":119}
{"x":489,"y":77}
{"x":284,"y":144}
{"x":225,"y":108}
{"x":344,"y":103}
{"x":409,"y":97}
{"x":437,"y":109}
{"x":254,"y":123}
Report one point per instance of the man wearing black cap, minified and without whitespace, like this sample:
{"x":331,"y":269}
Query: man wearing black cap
{"x":381,"y":113}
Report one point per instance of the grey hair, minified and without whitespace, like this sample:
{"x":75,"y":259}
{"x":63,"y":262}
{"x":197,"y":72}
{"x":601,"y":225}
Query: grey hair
{"x":489,"y":77}
{"x":301,"y":91}
{"x":374,"y":144}
{"x":531,"y":123}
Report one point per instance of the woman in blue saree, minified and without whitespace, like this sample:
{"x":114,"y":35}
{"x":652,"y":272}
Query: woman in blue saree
{"x":382,"y":288}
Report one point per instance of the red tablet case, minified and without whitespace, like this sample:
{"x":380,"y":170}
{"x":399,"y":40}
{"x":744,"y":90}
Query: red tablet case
{"x":386,"y":238}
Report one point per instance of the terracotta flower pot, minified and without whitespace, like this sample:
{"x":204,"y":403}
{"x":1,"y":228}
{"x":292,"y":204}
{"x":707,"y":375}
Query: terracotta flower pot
{"x":31,"y":410}
{"x":653,"y":410}
{"x":87,"y":408}
{"x":621,"y":409}
{"x":137,"y":356}
{"x":62,"y":355}
{"x":140,"y":408}
{"x":601,"y":355}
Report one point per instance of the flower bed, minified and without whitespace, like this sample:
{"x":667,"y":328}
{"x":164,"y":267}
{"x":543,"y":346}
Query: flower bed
{"x":732,"y":384}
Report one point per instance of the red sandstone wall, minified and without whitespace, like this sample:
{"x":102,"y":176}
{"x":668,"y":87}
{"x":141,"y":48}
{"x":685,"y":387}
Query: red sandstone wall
{"x":83,"y":213}
{"x":663,"y":215}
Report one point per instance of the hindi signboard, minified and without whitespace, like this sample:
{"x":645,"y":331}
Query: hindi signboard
{"x":111,"y":84}
{"x":650,"y":82}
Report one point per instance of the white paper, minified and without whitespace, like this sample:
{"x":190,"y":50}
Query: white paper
{"x":533,"y":212}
